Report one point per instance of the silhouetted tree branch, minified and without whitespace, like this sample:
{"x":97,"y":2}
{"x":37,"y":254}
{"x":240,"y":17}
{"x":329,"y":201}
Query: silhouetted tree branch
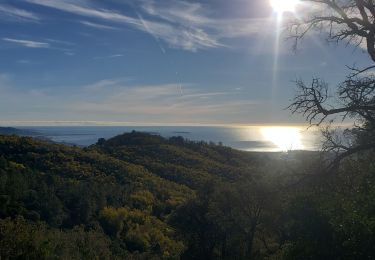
{"x":350,"y":20}
{"x":353,"y":22}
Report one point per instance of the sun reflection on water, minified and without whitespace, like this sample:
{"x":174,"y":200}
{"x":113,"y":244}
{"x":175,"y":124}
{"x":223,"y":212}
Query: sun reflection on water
{"x":285,"y":138}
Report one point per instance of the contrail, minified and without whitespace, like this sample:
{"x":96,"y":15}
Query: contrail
{"x":144,"y":23}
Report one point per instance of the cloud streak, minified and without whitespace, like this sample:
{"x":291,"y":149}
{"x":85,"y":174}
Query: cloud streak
{"x":179,"y":24}
{"x":28,"y":43}
{"x":9,"y":12}
{"x":82,"y":8}
{"x":195,"y":15}
{"x":98,"y":26}
{"x":50,"y":44}
{"x":159,"y":103}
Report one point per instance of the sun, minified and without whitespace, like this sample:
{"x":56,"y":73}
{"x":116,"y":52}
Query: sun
{"x":285,"y":138}
{"x":283,"y":6}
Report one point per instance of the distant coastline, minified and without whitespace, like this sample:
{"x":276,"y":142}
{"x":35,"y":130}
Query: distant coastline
{"x":17,"y":131}
{"x":243,"y":139}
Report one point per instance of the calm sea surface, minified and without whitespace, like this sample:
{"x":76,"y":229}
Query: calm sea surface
{"x":252,"y":138}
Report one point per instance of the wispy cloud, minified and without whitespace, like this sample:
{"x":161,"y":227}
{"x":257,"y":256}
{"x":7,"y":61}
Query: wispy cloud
{"x":32,"y":102}
{"x":100,"y":85}
{"x":24,"y":62}
{"x":115,"y":56}
{"x":98,"y":26}
{"x":163,"y":103}
{"x":28,"y":43}
{"x":120,"y":100}
{"x":9,"y":12}
{"x":196,"y":15}
{"x":45,"y":44}
{"x":82,"y":8}
{"x":187,"y":38}
{"x":60,"y":42}
{"x":112,"y":56}
{"x":180,"y":24}
{"x":199,"y":28}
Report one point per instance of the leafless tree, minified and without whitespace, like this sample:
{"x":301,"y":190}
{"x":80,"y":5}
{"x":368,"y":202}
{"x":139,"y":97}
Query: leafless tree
{"x":351,"y":22}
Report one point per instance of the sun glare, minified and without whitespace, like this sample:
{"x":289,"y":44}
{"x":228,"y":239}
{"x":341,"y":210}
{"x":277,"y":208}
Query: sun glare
{"x":282,"y":6}
{"x":285,"y":138}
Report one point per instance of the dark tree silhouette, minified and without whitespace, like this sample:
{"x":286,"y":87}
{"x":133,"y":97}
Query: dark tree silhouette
{"x":351,"y":22}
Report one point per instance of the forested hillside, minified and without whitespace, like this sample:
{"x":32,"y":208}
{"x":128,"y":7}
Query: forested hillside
{"x":141,"y":196}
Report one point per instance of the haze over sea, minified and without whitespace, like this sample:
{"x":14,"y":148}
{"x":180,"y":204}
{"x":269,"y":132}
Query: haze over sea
{"x":249,"y":138}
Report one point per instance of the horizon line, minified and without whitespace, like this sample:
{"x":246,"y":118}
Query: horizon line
{"x":22,"y":123}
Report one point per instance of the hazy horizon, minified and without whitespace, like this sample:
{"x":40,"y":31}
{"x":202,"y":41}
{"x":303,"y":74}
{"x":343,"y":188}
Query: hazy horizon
{"x":99,"y":123}
{"x":246,"y":138}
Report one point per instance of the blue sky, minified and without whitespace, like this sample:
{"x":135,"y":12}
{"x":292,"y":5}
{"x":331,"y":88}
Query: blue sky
{"x":153,"y":62}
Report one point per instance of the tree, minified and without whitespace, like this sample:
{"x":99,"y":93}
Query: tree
{"x":352,"y":22}
{"x":229,"y":221}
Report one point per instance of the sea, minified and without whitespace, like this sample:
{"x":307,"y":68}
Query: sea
{"x":251,"y":138}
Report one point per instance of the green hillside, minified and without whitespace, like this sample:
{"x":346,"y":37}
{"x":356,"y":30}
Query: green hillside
{"x":181,"y":161}
{"x":141,"y":196}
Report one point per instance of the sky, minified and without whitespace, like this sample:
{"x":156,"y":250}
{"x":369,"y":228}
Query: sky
{"x":161,"y":62}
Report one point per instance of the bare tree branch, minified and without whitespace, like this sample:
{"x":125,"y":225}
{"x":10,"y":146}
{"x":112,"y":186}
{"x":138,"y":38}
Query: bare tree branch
{"x":351,"y":22}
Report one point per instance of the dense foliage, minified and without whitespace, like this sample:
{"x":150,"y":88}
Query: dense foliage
{"x":141,"y":196}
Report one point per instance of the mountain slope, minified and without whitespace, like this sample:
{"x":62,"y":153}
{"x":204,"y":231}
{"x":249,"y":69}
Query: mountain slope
{"x":68,"y":186}
{"x":181,"y":161}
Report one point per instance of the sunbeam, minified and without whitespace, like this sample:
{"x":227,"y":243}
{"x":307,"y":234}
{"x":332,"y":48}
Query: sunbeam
{"x":280,"y":8}
{"x":276,"y":54}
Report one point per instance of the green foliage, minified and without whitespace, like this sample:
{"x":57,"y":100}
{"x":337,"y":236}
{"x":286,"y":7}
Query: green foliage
{"x":336,"y":220}
{"x":178,"y":160}
{"x":21,"y":239}
{"x":141,"y":232}
{"x":66,"y":187}
{"x":227,"y":220}
{"x":140,"y":196}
